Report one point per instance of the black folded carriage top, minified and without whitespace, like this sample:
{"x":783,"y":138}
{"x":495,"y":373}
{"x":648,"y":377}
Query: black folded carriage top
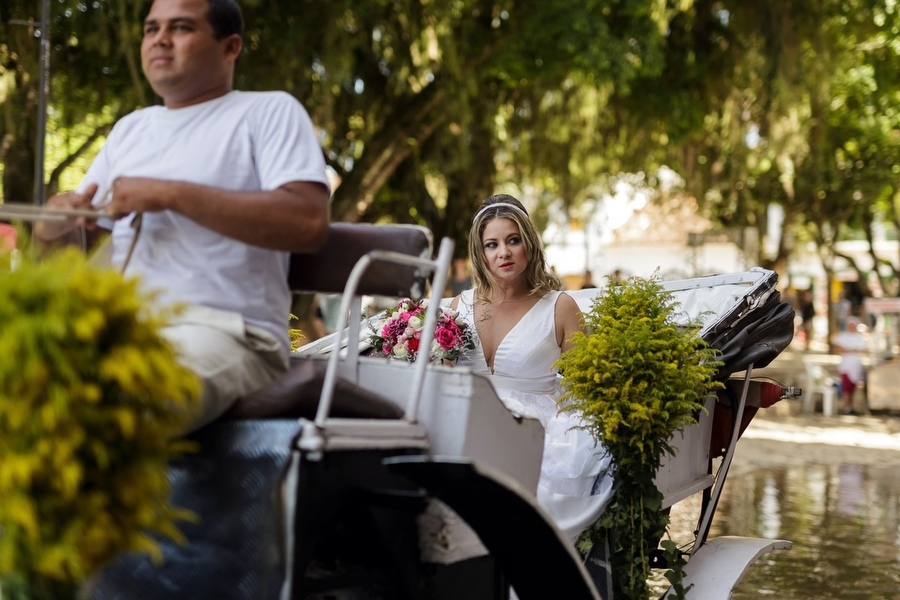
{"x":755,"y":330}
{"x":742,"y":315}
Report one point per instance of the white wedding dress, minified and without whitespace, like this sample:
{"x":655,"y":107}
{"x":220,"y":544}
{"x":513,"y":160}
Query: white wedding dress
{"x":575,"y":483}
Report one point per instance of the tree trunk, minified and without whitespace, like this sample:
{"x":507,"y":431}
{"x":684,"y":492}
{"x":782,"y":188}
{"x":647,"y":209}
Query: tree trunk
{"x":412,"y":123}
{"x":18,"y":144}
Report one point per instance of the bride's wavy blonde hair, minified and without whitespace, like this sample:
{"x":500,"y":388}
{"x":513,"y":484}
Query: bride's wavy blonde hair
{"x":539,"y":278}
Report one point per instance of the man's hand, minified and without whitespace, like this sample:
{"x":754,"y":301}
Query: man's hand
{"x":50,"y":231}
{"x":139,"y":195}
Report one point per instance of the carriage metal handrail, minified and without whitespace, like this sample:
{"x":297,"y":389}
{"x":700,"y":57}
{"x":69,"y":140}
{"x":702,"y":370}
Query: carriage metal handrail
{"x":441,"y":268}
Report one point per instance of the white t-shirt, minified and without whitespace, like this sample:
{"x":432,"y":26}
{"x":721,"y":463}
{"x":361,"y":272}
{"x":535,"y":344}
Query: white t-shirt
{"x":242,"y":141}
{"x":852,"y":346}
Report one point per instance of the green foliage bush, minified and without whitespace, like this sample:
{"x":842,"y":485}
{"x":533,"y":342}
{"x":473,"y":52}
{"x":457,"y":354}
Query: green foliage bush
{"x":91,"y":403}
{"x":636,"y":378}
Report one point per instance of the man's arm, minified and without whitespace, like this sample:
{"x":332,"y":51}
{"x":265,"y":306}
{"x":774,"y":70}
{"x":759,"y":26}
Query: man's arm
{"x":292,"y":218}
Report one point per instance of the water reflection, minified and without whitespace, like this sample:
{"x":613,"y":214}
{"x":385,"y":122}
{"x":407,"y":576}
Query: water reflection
{"x":844,"y":521}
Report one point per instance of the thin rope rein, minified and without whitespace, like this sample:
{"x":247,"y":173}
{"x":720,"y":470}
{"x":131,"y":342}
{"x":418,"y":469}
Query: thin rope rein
{"x":136,"y":224}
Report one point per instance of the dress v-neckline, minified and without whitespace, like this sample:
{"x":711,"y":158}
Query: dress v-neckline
{"x":490,"y":367}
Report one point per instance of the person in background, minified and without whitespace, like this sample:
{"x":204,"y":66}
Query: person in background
{"x":851,"y":344}
{"x":588,"y":281}
{"x":318,"y":320}
{"x":807,"y":313}
{"x":206,"y":196}
{"x":842,"y":311}
{"x":523,"y":323}
{"x":460,"y":279}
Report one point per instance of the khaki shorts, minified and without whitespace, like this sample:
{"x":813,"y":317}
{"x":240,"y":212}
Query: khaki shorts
{"x":231,"y":358}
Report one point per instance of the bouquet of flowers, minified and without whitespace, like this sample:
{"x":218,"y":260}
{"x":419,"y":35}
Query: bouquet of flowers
{"x":397,"y":335}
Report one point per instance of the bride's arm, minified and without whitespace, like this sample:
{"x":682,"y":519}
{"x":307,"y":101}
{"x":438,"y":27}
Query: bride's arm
{"x":568,"y":320}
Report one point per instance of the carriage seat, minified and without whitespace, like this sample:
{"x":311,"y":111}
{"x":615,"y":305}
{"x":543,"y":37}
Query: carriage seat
{"x":237,"y":479}
{"x":296,"y":395}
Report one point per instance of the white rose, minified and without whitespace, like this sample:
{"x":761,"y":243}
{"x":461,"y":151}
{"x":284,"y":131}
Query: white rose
{"x":416,"y":322}
{"x":399,"y":350}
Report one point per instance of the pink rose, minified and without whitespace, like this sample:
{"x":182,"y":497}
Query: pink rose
{"x":452,"y":326}
{"x":445,"y":337}
{"x":406,"y":315}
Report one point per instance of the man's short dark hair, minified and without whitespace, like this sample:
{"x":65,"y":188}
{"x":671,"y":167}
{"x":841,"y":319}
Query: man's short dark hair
{"x":225,"y":18}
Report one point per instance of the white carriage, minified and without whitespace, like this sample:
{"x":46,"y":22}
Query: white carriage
{"x":358,"y":477}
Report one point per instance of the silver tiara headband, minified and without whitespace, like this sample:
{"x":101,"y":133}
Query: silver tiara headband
{"x":496,"y":205}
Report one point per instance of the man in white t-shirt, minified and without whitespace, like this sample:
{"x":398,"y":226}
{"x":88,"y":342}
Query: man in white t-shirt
{"x":206,"y":196}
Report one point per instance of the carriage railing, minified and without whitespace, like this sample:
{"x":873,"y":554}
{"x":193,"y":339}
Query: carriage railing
{"x":349,"y":320}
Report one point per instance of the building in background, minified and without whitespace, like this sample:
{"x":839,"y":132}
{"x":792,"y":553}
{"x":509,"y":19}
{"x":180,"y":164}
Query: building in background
{"x":642,"y":238}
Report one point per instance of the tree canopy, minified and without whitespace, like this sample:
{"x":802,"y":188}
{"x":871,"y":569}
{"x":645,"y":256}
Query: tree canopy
{"x":425,"y":108}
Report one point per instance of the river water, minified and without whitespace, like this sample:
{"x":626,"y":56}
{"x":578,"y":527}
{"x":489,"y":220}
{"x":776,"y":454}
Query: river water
{"x":844,"y":521}
{"x":836,"y":499}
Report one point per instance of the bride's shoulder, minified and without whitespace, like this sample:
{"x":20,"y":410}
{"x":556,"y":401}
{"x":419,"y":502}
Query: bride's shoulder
{"x":565,"y":302}
{"x":568,"y":319}
{"x":465,"y":300}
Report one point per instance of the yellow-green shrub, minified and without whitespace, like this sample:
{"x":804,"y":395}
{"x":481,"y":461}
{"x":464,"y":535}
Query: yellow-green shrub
{"x":636,"y":377}
{"x":91,"y":401}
